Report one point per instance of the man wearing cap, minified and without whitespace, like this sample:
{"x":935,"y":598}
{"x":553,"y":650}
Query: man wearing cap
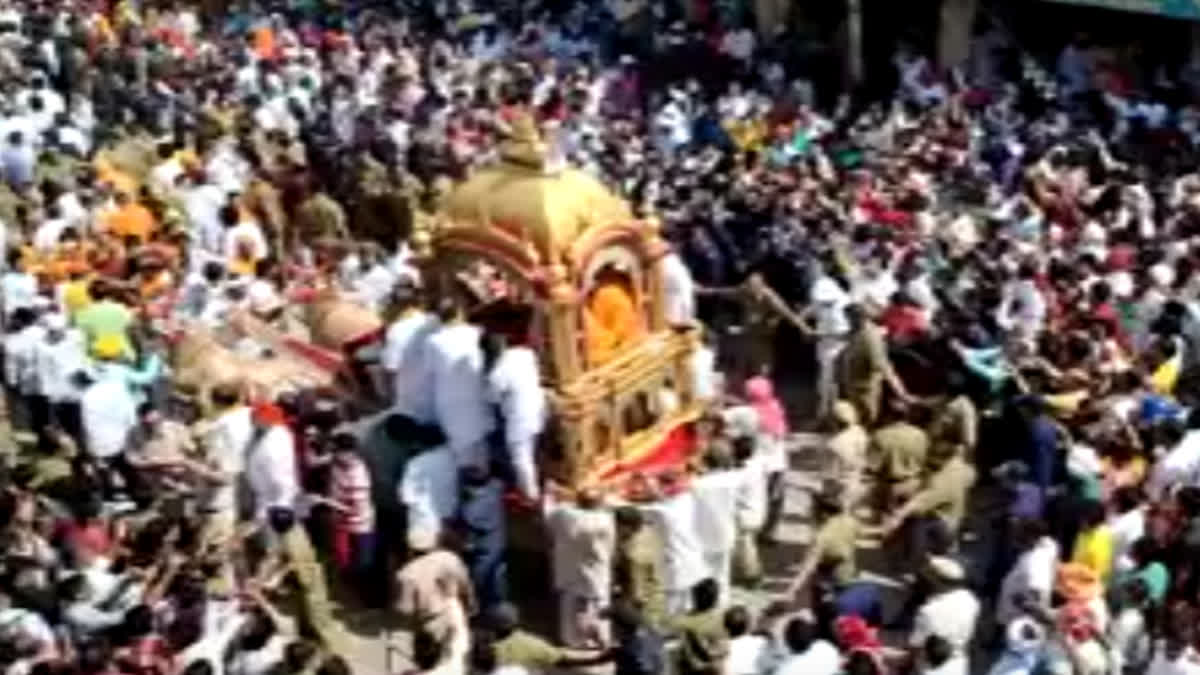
{"x":951,"y":610}
{"x":432,"y":587}
{"x":108,"y":407}
{"x":848,"y":448}
{"x":106,"y":317}
{"x":866,"y":366}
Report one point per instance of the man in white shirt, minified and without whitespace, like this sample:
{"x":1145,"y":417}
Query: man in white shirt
{"x":108,"y":407}
{"x":226,"y":441}
{"x":1128,"y":525}
{"x":583,"y":538}
{"x":515,"y":385}
{"x":202,"y":202}
{"x":716,"y":509}
{"x":271,"y":465}
{"x":23,"y":334}
{"x":18,"y":288}
{"x":750,"y":652}
{"x":46,"y":236}
{"x":404,"y":357}
{"x":1032,"y":576}
{"x":58,"y":360}
{"x":683,"y":554}
{"x":807,"y":654}
{"x":244,"y":240}
{"x":459,"y":390}
{"x":828,"y":303}
{"x":951,"y":610}
{"x":1181,"y":464}
{"x":679,"y":291}
{"x":429,"y":488}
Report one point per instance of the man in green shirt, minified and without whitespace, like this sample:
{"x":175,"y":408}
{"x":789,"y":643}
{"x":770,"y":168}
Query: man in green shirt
{"x":105,"y":316}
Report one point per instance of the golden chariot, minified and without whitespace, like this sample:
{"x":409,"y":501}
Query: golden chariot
{"x":588,"y":275}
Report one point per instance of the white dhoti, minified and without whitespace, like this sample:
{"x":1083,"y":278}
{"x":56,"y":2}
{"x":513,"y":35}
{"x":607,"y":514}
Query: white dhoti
{"x":580,"y":624}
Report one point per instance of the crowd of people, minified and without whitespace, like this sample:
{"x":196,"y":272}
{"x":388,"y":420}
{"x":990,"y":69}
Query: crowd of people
{"x":995,"y":268}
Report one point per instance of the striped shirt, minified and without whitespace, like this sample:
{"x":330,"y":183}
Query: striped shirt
{"x":351,"y":487}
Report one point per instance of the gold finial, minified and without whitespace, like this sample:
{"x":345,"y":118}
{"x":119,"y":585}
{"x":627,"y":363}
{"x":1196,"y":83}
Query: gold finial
{"x":523,"y":144}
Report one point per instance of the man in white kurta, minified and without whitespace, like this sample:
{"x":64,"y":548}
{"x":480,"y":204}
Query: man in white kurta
{"x":683,"y":554}
{"x":679,"y":291}
{"x":583,"y":536}
{"x":271,"y":471}
{"x":716,"y":511}
{"x":460,"y":405}
{"x":515,"y":385}
{"x":429,"y":490}
{"x":404,"y":360}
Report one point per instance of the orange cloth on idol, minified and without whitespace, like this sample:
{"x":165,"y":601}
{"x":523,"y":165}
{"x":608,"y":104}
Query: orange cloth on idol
{"x":610,"y":322}
{"x":264,"y":43}
{"x":132,"y":220}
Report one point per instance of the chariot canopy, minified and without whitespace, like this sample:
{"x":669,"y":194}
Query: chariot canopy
{"x":532,"y":237}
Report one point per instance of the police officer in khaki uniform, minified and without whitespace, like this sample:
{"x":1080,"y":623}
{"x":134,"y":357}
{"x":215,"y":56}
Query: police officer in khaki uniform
{"x":899,"y":450}
{"x":321,"y":217}
{"x":638,"y":563}
{"x":932,"y":517}
{"x":832,"y":555}
{"x":517,"y":647}
{"x":704,"y":641}
{"x":957,"y":420}
{"x":865,"y":366}
{"x":298,"y":559}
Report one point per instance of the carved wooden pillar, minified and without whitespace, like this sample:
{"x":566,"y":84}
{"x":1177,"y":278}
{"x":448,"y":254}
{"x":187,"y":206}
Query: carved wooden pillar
{"x":563,"y":324}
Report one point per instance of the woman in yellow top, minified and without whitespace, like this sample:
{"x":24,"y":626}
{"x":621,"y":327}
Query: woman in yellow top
{"x":1094,"y":544}
{"x":1169,"y":357}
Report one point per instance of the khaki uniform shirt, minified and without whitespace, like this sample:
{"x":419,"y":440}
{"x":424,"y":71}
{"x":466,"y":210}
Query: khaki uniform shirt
{"x":835,"y":544}
{"x":863,"y":365}
{"x":424,"y":588}
{"x":528,"y":651}
{"x":849,"y":448}
{"x":957,"y":421}
{"x":899,"y":452}
{"x":704,"y":643}
{"x":639,"y":573}
{"x":945,"y":495}
{"x":320,"y":217}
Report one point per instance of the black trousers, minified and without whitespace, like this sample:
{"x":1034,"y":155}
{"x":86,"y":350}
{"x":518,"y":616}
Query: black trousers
{"x":68,"y":416}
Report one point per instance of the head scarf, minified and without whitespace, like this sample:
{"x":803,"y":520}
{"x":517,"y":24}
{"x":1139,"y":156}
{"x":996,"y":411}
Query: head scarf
{"x":770,"y":413}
